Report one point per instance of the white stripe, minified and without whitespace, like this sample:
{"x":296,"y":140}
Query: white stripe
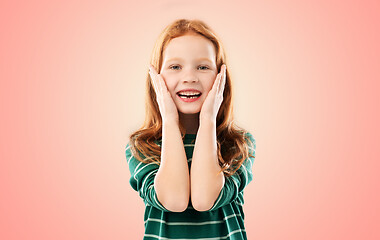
{"x":185,"y":223}
{"x":246,"y":173}
{"x":128,"y":147}
{"x":158,"y":203}
{"x":137,"y":167}
{"x":188,"y":145}
{"x":148,"y":158}
{"x":236,"y":184}
{"x":213,"y":238}
{"x":190,"y":223}
{"x":143,"y":184}
{"x":129,"y":159}
{"x":233,"y":232}
{"x":134,"y":176}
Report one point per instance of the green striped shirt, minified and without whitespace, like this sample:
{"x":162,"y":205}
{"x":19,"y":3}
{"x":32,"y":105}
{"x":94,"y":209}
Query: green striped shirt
{"x":225,"y":220}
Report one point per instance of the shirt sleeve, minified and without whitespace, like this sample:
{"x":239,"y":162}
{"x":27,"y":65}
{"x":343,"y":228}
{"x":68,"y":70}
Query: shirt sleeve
{"x":236,"y":183}
{"x":142,"y":179}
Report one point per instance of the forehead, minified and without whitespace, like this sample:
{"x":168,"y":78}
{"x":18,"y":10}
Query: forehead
{"x":188,"y":47}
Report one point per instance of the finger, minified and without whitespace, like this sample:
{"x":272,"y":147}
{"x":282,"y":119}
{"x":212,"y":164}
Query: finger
{"x":159,"y":82}
{"x":224,"y":79}
{"x":218,"y":83}
{"x":221,"y":80}
{"x":153,"y":69}
{"x":158,"y":79}
{"x":162,"y":83}
{"x":153,"y":77}
{"x":220,"y":77}
{"x":215,"y":86}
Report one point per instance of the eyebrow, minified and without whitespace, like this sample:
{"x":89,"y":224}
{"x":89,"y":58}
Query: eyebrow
{"x":180,"y":59}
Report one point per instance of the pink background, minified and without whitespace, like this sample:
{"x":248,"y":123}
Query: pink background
{"x":306,"y":77}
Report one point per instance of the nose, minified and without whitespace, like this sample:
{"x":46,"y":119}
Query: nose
{"x":189,"y":76}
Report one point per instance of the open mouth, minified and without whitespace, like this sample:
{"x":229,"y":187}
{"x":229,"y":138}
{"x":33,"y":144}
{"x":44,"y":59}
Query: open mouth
{"x":189,"y":96}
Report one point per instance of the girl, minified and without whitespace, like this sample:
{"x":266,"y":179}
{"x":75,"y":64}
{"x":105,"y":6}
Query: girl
{"x":188,"y":161}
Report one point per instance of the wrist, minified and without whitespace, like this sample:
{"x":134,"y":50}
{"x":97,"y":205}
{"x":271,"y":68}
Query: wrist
{"x":170,"y":122}
{"x":206,"y":117}
{"x":205,"y":121}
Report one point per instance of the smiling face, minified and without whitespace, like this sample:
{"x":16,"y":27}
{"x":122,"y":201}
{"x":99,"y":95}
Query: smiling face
{"x":189,"y":63}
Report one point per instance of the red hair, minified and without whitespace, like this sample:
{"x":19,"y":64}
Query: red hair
{"x":231,"y":140}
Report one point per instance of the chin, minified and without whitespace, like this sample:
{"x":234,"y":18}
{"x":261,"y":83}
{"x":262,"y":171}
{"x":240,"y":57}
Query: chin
{"x":189,"y":112}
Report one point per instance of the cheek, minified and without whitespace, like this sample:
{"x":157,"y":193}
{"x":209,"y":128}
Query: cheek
{"x":171,"y":86}
{"x":209,"y":84}
{"x":169,"y":81}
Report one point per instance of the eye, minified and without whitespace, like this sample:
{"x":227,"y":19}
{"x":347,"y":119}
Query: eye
{"x":176,"y":67}
{"x":171,"y":67}
{"x":205,"y":67}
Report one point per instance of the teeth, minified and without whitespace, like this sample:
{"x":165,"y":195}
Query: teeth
{"x":184,"y":95}
{"x":188,"y":96}
{"x":189,"y":93}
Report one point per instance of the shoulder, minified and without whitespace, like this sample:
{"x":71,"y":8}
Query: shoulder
{"x":139,"y":168}
{"x":249,"y":135}
{"x":250,"y":139}
{"x":128,"y":153}
{"x":251,"y":145}
{"x":128,"y":148}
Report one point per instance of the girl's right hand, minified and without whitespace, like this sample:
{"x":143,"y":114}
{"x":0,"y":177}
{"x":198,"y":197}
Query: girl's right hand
{"x":168,"y":109}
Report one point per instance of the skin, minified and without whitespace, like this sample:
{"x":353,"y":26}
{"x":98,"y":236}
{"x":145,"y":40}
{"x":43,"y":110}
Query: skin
{"x":188,"y":72}
{"x":173,"y":181}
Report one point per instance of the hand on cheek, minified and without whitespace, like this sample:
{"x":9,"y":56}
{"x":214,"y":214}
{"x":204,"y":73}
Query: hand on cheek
{"x":214,"y":99}
{"x":167,"y":107}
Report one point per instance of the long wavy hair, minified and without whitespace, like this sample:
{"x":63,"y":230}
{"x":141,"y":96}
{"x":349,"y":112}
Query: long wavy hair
{"x":232,"y":140}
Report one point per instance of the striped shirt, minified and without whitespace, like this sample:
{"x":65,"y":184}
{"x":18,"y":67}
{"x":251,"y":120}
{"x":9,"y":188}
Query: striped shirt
{"x":225,"y":220}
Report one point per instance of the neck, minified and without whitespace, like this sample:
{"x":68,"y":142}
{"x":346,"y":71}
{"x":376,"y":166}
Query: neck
{"x":190,"y":122}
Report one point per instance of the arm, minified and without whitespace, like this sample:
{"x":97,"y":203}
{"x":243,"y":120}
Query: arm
{"x":172,"y":182}
{"x":234,"y":185}
{"x":142,"y":179}
{"x":206,"y":182}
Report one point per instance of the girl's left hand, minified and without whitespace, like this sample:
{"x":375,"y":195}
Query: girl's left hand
{"x":214,"y":99}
